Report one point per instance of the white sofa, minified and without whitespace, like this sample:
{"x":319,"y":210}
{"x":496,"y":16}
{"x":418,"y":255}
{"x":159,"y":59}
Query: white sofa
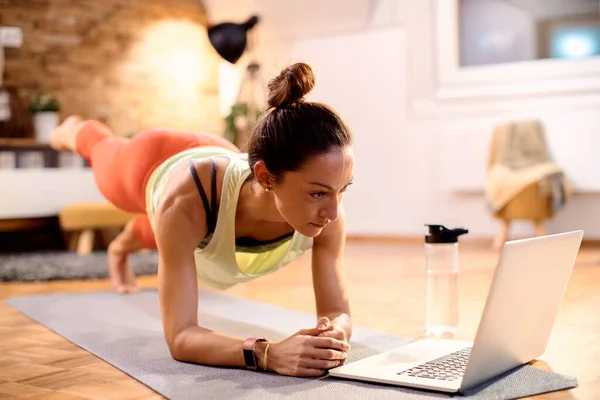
{"x":41,"y":192}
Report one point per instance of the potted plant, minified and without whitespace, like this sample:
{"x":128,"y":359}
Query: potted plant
{"x":240,"y":122}
{"x":44,"y":108}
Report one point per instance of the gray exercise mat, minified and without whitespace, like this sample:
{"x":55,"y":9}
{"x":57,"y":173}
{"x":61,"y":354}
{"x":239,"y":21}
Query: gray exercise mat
{"x":126,"y":331}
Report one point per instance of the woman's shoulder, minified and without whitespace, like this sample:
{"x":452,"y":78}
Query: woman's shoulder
{"x":195,"y":176}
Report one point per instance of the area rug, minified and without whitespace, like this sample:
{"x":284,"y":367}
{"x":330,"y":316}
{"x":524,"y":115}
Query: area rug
{"x":126,"y":331}
{"x":59,"y":265}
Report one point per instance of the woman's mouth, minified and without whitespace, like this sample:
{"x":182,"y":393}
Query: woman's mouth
{"x":318,"y":225}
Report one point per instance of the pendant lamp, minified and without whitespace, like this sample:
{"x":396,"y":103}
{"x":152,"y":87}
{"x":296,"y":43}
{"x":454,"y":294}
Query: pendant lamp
{"x":230,"y":39}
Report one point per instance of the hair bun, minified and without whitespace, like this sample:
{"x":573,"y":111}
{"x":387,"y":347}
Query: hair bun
{"x":291,"y":85}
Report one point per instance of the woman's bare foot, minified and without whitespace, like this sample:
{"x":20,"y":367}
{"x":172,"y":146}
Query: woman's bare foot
{"x":64,"y":136}
{"x":121,"y":273}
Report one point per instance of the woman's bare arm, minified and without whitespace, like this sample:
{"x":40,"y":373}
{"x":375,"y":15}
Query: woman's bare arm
{"x":329,"y":280}
{"x":180,"y":225}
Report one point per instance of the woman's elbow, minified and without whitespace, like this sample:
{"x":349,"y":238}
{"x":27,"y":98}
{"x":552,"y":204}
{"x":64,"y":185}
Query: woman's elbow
{"x":177,"y":345}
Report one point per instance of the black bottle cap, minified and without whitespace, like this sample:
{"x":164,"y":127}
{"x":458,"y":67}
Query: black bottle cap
{"x":441,"y":234}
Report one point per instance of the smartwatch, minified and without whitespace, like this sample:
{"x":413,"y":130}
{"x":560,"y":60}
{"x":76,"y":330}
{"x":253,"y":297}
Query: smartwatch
{"x":249,"y":356}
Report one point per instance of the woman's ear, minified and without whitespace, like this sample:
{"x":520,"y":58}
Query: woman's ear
{"x":262,"y":174}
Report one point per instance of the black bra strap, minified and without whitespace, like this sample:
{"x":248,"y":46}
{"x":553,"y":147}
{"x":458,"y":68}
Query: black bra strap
{"x":213,"y":192}
{"x":211,"y":215}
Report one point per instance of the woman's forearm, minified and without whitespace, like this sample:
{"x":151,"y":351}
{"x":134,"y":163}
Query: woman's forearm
{"x":203,"y":346}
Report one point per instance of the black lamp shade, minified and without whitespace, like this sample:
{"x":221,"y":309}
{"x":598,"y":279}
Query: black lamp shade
{"x":229,"y":39}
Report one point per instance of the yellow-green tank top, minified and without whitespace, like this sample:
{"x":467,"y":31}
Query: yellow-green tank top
{"x":220,"y":263}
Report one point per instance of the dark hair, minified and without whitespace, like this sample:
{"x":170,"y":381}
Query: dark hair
{"x":293,"y":130}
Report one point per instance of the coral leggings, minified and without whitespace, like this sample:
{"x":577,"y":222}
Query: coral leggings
{"x":122,"y":166}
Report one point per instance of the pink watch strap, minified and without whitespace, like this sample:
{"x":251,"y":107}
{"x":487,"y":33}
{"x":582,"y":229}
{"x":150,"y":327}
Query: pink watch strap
{"x":249,"y":355}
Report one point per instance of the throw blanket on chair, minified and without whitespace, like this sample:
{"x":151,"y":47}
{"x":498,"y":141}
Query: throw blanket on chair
{"x":519,"y":158}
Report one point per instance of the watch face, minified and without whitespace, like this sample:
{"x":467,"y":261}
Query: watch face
{"x":248,"y":347}
{"x":249,"y":358}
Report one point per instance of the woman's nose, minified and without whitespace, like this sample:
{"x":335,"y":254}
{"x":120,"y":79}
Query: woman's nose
{"x":331,"y":212}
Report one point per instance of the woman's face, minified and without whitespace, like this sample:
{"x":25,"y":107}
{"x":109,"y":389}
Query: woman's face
{"x":309,"y":199}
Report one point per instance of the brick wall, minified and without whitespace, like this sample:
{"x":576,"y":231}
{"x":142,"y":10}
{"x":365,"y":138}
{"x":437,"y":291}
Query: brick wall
{"x":135,"y":64}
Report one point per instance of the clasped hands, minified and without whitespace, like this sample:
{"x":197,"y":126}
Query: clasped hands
{"x":310,"y":352}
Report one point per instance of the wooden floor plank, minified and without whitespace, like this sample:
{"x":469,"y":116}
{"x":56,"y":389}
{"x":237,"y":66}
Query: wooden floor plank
{"x":20,"y":372}
{"x":20,"y":390}
{"x":56,"y":396}
{"x":115,"y":389}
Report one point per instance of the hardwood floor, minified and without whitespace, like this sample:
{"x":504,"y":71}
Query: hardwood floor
{"x":386,"y":283}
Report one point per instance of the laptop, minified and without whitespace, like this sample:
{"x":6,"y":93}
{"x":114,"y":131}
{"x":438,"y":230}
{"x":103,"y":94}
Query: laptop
{"x":528,"y":286}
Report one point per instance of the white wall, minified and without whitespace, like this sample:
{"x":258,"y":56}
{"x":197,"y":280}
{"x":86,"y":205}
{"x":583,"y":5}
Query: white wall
{"x":401,"y":178}
{"x":365,"y":86}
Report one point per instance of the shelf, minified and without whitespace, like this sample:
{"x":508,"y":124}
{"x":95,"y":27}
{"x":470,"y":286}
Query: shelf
{"x":30,"y":144}
{"x":21,"y":148}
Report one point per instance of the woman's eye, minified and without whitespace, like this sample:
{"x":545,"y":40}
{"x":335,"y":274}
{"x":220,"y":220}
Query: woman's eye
{"x":317,"y":195}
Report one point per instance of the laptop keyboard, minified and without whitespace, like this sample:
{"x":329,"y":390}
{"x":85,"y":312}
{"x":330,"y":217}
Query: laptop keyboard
{"x":445,"y":368}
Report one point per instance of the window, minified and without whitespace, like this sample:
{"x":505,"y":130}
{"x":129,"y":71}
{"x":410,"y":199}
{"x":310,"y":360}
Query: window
{"x":506,"y":31}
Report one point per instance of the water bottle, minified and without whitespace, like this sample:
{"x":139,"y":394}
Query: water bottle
{"x":441,"y":261}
